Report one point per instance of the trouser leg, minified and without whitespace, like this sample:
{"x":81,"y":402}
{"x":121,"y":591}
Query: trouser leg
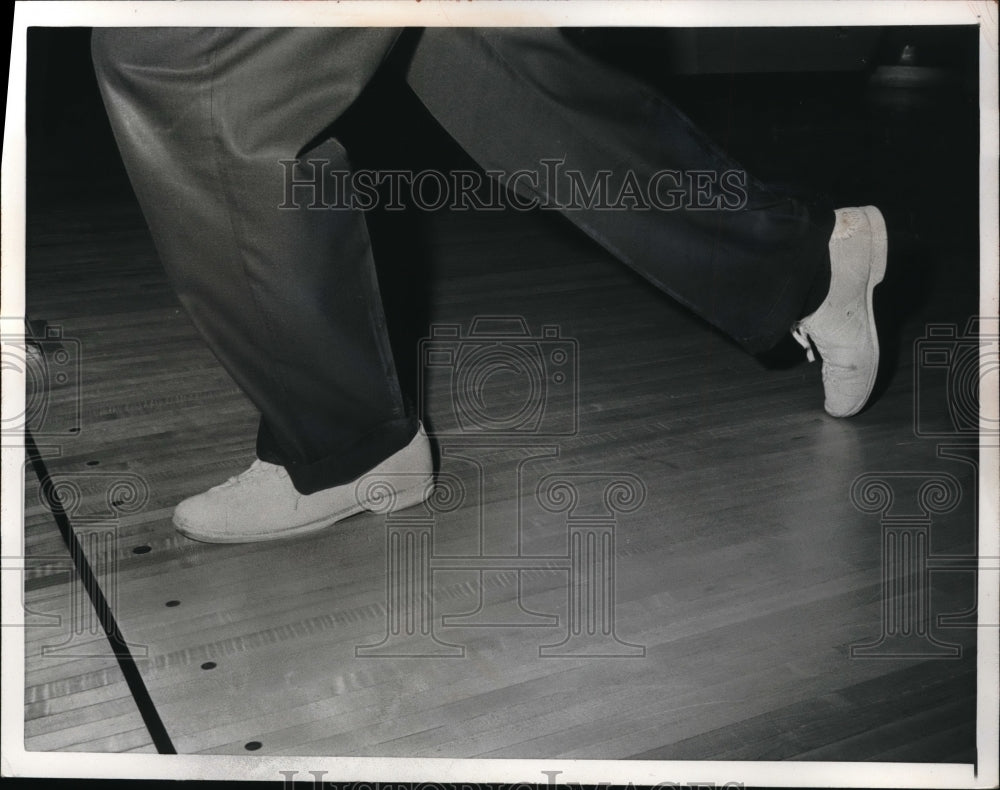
{"x":286,"y":297}
{"x":522,"y":99}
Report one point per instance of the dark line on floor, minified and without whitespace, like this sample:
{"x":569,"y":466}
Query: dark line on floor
{"x":126,"y":662}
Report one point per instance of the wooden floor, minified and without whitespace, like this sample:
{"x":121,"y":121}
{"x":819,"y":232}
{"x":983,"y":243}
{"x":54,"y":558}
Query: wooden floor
{"x":745,"y":576}
{"x":741,"y":581}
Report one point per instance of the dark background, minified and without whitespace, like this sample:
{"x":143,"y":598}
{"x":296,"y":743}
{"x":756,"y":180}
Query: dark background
{"x":776,"y":98}
{"x":835,"y":116}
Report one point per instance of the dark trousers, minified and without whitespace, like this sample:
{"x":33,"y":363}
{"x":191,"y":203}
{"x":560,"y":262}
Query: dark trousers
{"x":287,"y":297}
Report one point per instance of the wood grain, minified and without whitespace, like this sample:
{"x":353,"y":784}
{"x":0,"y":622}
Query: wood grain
{"x":746,"y":574}
{"x":744,"y":578}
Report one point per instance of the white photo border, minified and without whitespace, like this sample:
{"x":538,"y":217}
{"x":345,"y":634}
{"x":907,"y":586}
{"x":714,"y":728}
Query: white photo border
{"x":16,"y":762}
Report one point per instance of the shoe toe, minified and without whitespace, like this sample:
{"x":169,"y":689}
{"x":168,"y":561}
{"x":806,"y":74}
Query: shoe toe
{"x":848,"y":386}
{"x":197,"y":518}
{"x":846,"y":399}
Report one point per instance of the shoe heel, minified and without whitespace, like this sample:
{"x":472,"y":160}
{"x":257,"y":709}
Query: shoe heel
{"x":880,"y":244}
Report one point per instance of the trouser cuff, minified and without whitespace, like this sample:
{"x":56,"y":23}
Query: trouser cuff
{"x":347,"y":463}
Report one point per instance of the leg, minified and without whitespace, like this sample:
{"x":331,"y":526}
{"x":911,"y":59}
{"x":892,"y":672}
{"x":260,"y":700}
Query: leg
{"x":752,"y":272}
{"x":287,"y":299}
{"x":753,"y":266}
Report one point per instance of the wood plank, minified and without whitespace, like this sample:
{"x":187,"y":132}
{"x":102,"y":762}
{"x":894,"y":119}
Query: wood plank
{"x":746,"y":575}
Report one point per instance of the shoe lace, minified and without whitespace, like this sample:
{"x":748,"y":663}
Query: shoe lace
{"x":802,"y":338}
{"x":257,"y":469}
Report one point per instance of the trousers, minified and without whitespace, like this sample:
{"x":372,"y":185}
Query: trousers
{"x":286,"y":296}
